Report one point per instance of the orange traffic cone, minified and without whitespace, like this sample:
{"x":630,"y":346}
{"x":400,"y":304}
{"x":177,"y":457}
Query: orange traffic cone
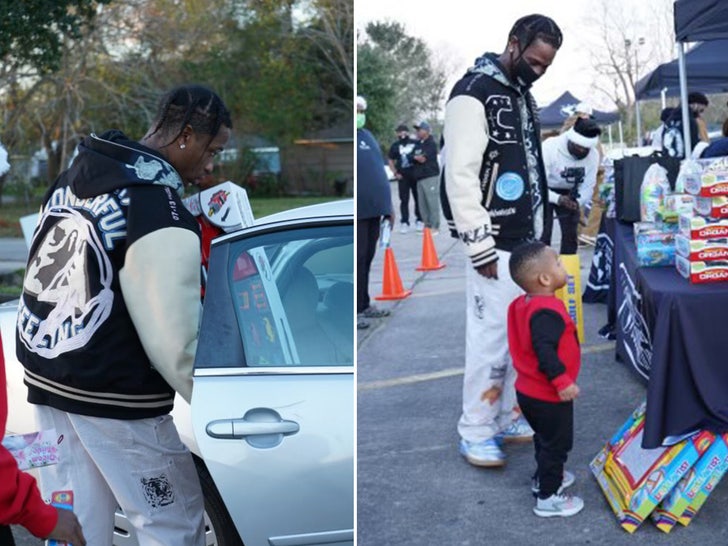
{"x":392,"y":288}
{"x":429,"y":254}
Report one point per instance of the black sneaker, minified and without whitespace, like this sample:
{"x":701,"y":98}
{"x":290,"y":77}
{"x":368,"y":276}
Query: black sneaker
{"x":607,"y":332}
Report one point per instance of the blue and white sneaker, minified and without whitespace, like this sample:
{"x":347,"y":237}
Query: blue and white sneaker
{"x":567,"y":481}
{"x":486,"y":453}
{"x":519,"y":431}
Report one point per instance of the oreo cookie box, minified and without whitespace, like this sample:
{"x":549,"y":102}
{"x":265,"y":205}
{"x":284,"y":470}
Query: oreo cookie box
{"x":712,"y":182}
{"x":701,"y":250}
{"x":715,"y":207}
{"x":702,"y":272}
{"x":699,"y":227}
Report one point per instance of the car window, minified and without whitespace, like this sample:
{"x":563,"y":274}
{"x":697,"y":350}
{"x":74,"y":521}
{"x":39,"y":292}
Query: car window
{"x":293,"y":295}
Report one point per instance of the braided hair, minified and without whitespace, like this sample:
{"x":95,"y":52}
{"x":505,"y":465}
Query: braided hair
{"x":194,"y":105}
{"x":534,"y":27}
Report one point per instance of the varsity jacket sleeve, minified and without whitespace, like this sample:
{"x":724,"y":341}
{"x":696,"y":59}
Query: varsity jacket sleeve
{"x":466,"y":138}
{"x":546,"y":330}
{"x":20,"y":499}
{"x":160,"y":282}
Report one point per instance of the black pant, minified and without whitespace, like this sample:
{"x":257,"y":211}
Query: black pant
{"x":553,"y":427}
{"x":6,"y":536}
{"x":367,"y":234}
{"x":407,"y":185}
{"x":569,"y":221}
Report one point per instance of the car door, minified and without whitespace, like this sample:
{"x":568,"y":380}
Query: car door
{"x":273,"y":398}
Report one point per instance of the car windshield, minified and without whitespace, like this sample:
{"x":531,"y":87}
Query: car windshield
{"x":293,"y":294}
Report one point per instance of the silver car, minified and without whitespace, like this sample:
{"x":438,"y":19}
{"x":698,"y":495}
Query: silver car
{"x":271,"y":423}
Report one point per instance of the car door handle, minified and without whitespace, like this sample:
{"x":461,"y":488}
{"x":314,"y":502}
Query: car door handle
{"x":260,"y":427}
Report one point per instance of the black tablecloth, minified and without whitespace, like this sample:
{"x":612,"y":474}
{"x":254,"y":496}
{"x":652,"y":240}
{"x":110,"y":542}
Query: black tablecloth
{"x":600,"y":273}
{"x":675,"y":334}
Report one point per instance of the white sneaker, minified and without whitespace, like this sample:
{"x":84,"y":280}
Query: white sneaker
{"x":434,"y":232}
{"x":558,"y":505}
{"x":519,"y":431}
{"x":485,"y":453}
{"x":419,"y":226}
{"x":567,"y":481}
{"x":403,"y":228}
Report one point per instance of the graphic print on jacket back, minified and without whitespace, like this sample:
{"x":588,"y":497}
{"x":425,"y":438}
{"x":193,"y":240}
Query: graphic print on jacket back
{"x":57,"y":277}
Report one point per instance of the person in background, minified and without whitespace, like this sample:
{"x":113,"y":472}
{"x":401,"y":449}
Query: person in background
{"x":494,"y":198}
{"x":656,"y":136}
{"x":673,"y":141}
{"x":109,"y":317}
{"x":401,"y":163}
{"x":427,"y":173}
{"x":543,"y":343}
{"x":698,"y":103}
{"x":20,"y":500}
{"x":373,"y":204}
{"x":571,"y":161}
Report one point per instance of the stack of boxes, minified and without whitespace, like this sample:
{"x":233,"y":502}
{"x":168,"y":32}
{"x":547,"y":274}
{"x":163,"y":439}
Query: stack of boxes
{"x":702,"y":242}
{"x":668,"y":484}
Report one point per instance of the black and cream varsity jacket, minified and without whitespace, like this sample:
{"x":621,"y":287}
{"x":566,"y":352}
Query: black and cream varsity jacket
{"x":494,"y":186}
{"x":109,"y":315}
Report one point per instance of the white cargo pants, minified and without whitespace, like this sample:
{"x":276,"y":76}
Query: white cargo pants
{"x":142,"y":464}
{"x":489,"y":397}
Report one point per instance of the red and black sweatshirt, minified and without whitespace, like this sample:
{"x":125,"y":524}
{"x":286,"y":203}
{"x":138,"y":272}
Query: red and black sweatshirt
{"x":544,"y":346}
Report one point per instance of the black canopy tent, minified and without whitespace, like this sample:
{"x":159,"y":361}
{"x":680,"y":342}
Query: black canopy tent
{"x":696,"y":20}
{"x":707,"y":70}
{"x":552,"y":116}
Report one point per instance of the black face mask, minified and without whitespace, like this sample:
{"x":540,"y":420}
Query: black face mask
{"x":524,"y":74}
{"x":403,"y":137}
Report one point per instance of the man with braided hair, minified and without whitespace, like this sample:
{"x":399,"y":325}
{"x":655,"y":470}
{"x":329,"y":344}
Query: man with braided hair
{"x":494,"y":198}
{"x":108,"y":320}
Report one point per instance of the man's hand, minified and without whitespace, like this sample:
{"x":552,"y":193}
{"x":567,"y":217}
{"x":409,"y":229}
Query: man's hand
{"x":489,"y":271}
{"x":568,"y":202}
{"x":420,"y":158}
{"x":569,"y":393}
{"x":68,"y":528}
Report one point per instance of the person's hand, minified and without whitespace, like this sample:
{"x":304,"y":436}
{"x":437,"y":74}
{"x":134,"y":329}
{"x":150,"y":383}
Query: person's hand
{"x":420,"y":158}
{"x":68,"y":528}
{"x":390,"y":217}
{"x":489,"y":271}
{"x":398,"y":175}
{"x":567,"y":202}
{"x":569,"y":393}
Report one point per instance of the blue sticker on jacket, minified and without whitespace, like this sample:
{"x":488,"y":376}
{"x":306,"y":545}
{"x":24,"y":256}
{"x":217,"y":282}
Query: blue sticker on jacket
{"x":509,"y":186}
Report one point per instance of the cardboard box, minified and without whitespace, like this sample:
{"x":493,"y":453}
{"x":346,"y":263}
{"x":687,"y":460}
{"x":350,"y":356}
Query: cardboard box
{"x":680,"y":203}
{"x":699,"y":491}
{"x":35,"y":449}
{"x":713,"y":462}
{"x":702,"y":272}
{"x":713,"y":180}
{"x":701,"y":250}
{"x":656,"y":254}
{"x":225,"y":206}
{"x":714,"y":207}
{"x":700,"y":227}
{"x":635,"y":480}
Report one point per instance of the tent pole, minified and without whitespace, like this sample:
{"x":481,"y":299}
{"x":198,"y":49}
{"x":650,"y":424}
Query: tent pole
{"x":663,"y":94}
{"x":684,"y":98}
{"x":611,"y":144}
{"x":638,"y":122}
{"x":621,"y":134}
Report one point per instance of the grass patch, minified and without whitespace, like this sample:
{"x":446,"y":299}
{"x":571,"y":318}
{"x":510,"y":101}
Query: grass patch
{"x":10,"y":213}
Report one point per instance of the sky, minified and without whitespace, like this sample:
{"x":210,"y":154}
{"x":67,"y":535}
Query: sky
{"x":461,"y":30}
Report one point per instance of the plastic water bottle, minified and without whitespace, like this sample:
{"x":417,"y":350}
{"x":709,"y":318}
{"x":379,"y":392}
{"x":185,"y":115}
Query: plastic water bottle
{"x":385,"y":233}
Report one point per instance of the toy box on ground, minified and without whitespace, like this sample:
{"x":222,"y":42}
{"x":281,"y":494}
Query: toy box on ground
{"x":715,"y":207}
{"x":702,"y":477}
{"x":701,"y":250}
{"x":713,"y":180}
{"x":702,"y":272}
{"x":699,"y":227}
{"x":635,"y":480}
{"x":699,"y":491}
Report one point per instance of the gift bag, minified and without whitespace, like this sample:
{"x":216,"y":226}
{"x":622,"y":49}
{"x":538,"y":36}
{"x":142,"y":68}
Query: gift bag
{"x":570,"y":294}
{"x":629,"y":172}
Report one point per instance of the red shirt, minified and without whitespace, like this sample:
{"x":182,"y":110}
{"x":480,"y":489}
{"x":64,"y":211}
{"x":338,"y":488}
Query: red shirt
{"x":20,"y":500}
{"x":544,"y":346}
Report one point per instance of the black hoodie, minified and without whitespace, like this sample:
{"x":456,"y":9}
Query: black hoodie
{"x":108,"y":318}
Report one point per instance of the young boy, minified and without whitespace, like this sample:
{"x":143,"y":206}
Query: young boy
{"x":543,"y":343}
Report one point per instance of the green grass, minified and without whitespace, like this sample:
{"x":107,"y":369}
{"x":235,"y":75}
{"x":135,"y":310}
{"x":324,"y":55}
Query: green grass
{"x":10,"y":213}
